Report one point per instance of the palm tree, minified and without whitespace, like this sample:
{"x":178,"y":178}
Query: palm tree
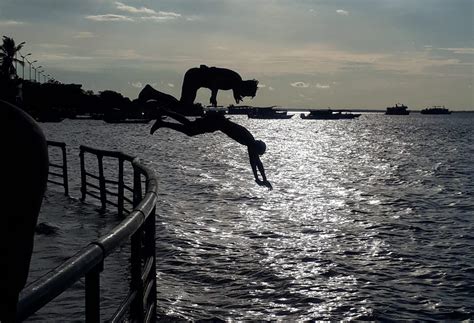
{"x":8,"y":51}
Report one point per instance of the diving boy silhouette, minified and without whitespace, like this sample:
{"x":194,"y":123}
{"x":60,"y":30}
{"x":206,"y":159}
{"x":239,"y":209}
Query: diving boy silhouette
{"x":214,"y":121}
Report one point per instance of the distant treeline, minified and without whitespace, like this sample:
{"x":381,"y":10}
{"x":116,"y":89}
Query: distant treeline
{"x":58,"y":100}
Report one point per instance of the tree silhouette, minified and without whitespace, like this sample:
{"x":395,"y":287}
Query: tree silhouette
{"x":8,"y":51}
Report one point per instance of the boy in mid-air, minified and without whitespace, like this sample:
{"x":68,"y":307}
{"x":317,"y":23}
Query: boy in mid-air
{"x":215,"y":79}
{"x":214,"y":121}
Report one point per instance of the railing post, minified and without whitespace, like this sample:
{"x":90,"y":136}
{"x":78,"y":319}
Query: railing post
{"x":136,"y":284}
{"x":150,"y":251}
{"x":83,"y":175}
{"x":103,"y":195}
{"x":120,"y":188}
{"x":65,"y":175}
{"x":137,"y":186}
{"x":93,"y":294}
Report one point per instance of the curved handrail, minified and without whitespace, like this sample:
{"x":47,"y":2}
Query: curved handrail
{"x":107,"y":153}
{"x":46,"y":288}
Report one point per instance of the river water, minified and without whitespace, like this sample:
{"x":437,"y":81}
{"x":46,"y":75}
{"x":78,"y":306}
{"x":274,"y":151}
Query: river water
{"x":369,"y":219}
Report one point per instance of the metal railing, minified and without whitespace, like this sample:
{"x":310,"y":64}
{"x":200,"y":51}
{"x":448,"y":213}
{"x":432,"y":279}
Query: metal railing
{"x":63,"y":167}
{"x":138,"y":228}
{"x":104,"y":187}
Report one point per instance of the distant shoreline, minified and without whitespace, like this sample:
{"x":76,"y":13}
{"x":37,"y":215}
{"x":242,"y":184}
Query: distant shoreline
{"x":365,"y":110}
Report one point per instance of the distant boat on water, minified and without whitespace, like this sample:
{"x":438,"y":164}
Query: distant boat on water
{"x":398,"y":109}
{"x":436,"y":110}
{"x":268,"y":113}
{"x":217,"y":109}
{"x":328,"y":115}
{"x":137,"y":120}
{"x":244,"y":109}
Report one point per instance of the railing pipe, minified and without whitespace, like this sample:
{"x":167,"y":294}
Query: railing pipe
{"x":83,"y":176}
{"x":65,"y":173}
{"x":93,"y":294}
{"x":150,"y":235}
{"x":137,"y":187}
{"x":103,"y":194}
{"x":42,"y":291}
{"x":136,"y":283}
{"x":120,"y":188}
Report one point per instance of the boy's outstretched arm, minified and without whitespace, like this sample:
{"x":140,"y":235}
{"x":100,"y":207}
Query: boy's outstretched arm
{"x":257,"y":166}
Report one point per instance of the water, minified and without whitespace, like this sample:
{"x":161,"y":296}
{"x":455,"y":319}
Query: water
{"x":369,"y":218}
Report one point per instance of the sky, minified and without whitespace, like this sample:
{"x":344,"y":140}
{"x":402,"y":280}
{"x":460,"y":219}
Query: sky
{"x":304,"y":53}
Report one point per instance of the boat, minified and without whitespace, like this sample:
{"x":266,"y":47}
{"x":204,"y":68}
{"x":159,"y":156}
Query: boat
{"x":398,"y":109}
{"x":136,"y":120}
{"x":243,"y":109}
{"x":216,"y":109}
{"x":268,"y":113}
{"x":436,"y":110}
{"x":118,"y":116}
{"x":329,"y":114}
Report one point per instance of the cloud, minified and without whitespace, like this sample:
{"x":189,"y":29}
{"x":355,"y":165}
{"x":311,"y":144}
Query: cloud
{"x":11,"y":23}
{"x":84,"y":34}
{"x":123,"y":7}
{"x":169,"y":14}
{"x":342,"y":12}
{"x":146,"y":14}
{"x":138,"y":85}
{"x":108,"y":17}
{"x":322,"y":86}
{"x":121,"y":54}
{"x":158,"y":18}
{"x":300,"y":84}
{"x":54,"y":46}
{"x":63,"y":57}
{"x":465,"y":50}
{"x":194,"y":18}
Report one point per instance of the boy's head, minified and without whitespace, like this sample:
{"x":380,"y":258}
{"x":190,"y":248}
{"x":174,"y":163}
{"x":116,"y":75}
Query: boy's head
{"x":260,"y":147}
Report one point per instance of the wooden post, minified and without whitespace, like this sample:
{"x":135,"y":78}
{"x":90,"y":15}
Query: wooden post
{"x":83,"y":175}
{"x":103,"y":194}
{"x":93,"y":294}
{"x":120,"y":188}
